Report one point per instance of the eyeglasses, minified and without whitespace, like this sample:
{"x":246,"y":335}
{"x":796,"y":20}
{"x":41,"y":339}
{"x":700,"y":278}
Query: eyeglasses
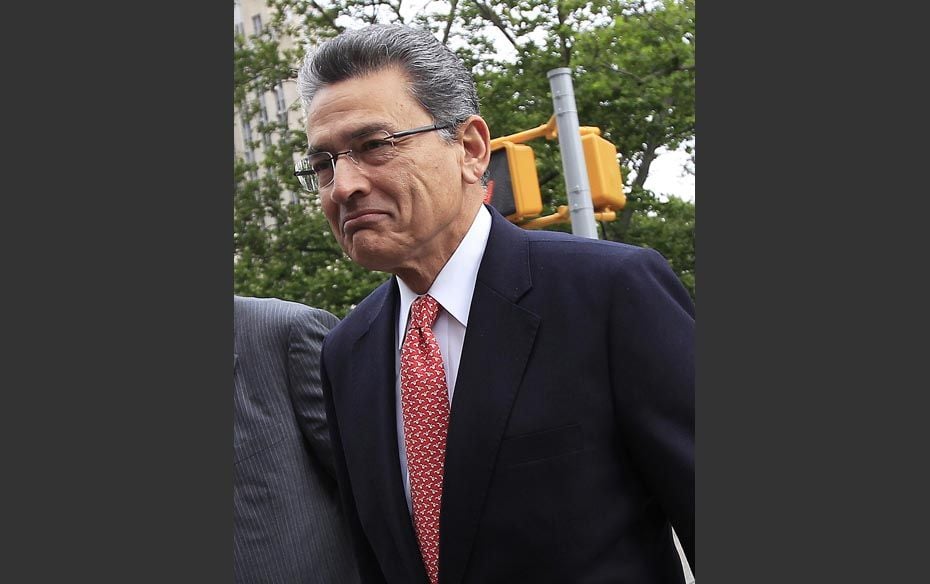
{"x":318,"y":170}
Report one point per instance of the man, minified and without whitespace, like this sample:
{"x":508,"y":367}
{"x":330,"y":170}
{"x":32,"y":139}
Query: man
{"x":534,"y":422}
{"x":287,"y":525}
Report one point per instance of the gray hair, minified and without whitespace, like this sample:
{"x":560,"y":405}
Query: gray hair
{"x":439,"y":80}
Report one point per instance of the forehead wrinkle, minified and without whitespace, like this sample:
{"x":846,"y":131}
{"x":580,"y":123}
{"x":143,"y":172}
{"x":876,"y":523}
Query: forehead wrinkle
{"x":349,"y":135}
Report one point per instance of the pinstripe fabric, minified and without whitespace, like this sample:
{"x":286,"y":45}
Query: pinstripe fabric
{"x":287,"y":525}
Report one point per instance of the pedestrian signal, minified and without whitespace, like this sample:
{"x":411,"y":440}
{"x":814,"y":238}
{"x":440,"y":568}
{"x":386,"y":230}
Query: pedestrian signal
{"x":513,"y":187}
{"x":604,"y":178}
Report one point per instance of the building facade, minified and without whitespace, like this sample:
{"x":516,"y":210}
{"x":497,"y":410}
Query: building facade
{"x":251,"y":18}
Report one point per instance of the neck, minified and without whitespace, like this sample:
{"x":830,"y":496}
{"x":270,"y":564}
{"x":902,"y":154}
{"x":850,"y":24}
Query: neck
{"x":421,"y":275}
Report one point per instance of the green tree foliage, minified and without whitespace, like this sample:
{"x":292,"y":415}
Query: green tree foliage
{"x":633,"y":71}
{"x":282,"y":248}
{"x":667,"y":227}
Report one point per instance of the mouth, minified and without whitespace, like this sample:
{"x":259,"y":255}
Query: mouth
{"x":361,"y":220}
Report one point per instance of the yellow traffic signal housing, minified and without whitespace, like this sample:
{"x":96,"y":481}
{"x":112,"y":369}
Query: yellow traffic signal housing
{"x":513,"y":187}
{"x":606,"y":184}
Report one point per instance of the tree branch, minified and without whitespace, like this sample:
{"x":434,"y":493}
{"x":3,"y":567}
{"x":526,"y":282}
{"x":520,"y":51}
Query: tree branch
{"x":642,"y":173}
{"x":492,"y":17}
{"x":326,"y":15}
{"x":547,"y":177}
{"x":396,"y":9}
{"x":563,"y":44}
{"x":445,"y":34}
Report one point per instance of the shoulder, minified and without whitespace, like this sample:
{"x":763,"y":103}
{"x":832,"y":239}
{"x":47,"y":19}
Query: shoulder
{"x":572,"y":252}
{"x":567,"y":268}
{"x":583,"y":254}
{"x":372,"y":304}
{"x":633,"y":275}
{"x":361,"y":316}
{"x":251,"y":312}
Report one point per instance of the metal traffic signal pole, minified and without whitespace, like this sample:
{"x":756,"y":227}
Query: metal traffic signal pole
{"x":580,"y":205}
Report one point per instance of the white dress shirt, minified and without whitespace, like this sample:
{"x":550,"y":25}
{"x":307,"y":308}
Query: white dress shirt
{"x":452,"y":289}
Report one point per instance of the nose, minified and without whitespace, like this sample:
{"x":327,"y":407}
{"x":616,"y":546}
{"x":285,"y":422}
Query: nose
{"x":348,"y":179}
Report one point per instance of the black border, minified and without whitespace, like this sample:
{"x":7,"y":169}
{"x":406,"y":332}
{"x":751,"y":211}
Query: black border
{"x":809,"y":247}
{"x":123,"y":469}
{"x":809,"y":232}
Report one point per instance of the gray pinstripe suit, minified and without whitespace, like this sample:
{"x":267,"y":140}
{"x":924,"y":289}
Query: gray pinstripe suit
{"x":287,"y":526}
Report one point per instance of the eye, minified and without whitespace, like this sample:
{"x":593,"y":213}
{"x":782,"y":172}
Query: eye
{"x":319,"y":163}
{"x":372,"y":145}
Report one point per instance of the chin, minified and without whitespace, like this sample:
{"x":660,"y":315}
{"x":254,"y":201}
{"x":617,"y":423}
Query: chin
{"x":368,"y":254}
{"x":371,"y":262}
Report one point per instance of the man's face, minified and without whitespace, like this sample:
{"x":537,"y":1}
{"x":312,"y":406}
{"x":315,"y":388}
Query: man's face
{"x":403,"y":215}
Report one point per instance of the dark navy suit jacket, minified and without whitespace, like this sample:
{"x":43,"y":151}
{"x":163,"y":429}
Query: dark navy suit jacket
{"x":570,"y":452}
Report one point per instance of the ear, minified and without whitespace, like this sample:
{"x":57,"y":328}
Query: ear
{"x":476,"y":140}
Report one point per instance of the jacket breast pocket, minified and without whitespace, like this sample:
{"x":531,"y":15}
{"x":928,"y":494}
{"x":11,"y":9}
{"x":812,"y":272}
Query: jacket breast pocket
{"x":542,"y":445}
{"x":259,"y":441}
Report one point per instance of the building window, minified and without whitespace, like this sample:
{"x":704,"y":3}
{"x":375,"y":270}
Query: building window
{"x":262,"y":110}
{"x":257,"y":24}
{"x":263,"y":116}
{"x":247,"y":134}
{"x":240,"y":29}
{"x":250,"y":159}
{"x":279,"y":101}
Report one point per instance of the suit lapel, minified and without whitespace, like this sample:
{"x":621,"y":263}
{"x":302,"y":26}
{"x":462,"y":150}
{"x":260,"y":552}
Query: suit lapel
{"x":497,"y":346}
{"x":370,"y":439}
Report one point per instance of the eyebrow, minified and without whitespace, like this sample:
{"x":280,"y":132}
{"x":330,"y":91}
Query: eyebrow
{"x":360,"y":131}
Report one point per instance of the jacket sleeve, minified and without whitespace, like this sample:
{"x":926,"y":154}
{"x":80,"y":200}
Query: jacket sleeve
{"x":652,"y":333}
{"x":305,"y":341}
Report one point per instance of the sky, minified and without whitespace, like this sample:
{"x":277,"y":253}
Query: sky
{"x":667,"y":175}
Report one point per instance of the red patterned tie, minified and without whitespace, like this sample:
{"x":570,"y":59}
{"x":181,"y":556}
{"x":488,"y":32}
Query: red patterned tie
{"x":425,"y":403}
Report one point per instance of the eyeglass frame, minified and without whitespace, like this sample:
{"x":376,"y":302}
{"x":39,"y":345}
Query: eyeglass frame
{"x":391,"y":137}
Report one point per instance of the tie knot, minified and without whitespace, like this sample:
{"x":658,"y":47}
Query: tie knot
{"x":423,"y":312}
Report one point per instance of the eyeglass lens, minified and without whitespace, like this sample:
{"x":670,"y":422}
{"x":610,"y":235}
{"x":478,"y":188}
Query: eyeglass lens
{"x":372,"y":149}
{"x":318,"y":170}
